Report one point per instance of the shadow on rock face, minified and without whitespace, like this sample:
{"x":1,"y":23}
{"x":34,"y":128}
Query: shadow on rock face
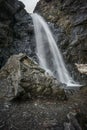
{"x":16,"y":35}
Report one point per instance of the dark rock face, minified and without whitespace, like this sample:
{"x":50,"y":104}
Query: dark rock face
{"x":16,"y":33}
{"x":71,"y":17}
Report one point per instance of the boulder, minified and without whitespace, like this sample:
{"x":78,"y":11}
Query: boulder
{"x":20,"y":76}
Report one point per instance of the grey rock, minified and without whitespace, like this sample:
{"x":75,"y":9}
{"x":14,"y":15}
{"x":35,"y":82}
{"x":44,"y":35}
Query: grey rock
{"x":17,"y":33}
{"x":70,"y":30}
{"x":68,"y":126}
{"x":73,"y":121}
{"x":21,"y":75}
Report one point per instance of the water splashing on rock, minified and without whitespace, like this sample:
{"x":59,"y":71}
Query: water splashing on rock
{"x":48,"y":53}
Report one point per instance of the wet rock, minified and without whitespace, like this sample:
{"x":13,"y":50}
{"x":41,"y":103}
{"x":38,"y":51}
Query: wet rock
{"x":68,"y":126}
{"x":82,"y":119}
{"x":70,"y":30}
{"x":52,"y":125}
{"x":73,"y":123}
{"x":73,"y":120}
{"x":48,"y":0}
{"x":21,"y":76}
{"x":71,"y":17}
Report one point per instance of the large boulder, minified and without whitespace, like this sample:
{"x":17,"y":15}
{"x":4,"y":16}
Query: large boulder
{"x":22,"y":77}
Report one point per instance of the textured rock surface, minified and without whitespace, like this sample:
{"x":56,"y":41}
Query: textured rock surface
{"x":71,"y":17}
{"x":45,"y":114}
{"x":69,"y":29}
{"x":21,"y":76}
{"x":17,"y":34}
{"x":16,"y":30}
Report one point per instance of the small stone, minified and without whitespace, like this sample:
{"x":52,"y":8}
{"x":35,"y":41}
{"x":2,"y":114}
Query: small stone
{"x":36,"y":104}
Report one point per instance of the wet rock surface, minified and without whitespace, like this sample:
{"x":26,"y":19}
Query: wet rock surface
{"x":17,"y":35}
{"x":71,"y":17}
{"x":70,"y":29}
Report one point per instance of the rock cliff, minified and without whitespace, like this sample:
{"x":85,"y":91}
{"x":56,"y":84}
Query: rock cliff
{"x":71,"y":17}
{"x":21,"y":78}
{"x":16,"y":30}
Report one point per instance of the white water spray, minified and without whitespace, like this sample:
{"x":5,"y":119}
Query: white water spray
{"x":48,"y":53}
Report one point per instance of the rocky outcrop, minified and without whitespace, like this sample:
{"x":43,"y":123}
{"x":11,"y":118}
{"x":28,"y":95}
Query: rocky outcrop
{"x":70,"y":16}
{"x":16,"y":30}
{"x":17,"y":33}
{"x":22,"y":77}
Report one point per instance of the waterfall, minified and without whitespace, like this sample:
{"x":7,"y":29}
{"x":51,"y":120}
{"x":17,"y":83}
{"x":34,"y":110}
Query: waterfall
{"x":48,"y":53}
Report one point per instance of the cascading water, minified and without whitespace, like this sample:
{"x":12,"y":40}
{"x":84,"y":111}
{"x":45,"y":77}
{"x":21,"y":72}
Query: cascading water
{"x":48,"y":53}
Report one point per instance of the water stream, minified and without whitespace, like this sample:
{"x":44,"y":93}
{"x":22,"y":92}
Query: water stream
{"x":49,"y":55}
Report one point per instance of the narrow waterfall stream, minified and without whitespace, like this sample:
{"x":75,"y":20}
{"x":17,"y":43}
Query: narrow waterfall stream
{"x":48,"y":53}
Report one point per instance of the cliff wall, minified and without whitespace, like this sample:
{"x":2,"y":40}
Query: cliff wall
{"x":71,"y":17}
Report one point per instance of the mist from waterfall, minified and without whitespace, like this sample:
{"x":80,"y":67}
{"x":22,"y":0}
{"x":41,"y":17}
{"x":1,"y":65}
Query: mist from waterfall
{"x":48,"y":53}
